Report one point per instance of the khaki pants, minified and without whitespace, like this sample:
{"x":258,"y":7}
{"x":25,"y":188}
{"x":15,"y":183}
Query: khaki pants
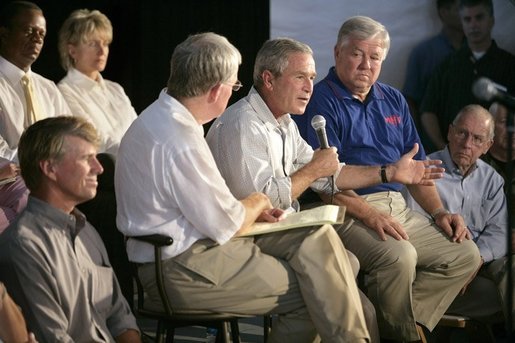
{"x":412,"y":280}
{"x":303,"y":275}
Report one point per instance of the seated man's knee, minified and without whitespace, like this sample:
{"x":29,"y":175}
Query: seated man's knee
{"x":399,"y":259}
{"x":469,"y":254}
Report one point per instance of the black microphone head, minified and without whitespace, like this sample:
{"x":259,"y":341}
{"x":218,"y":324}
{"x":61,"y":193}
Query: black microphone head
{"x":318,"y":122}
{"x":484,"y":89}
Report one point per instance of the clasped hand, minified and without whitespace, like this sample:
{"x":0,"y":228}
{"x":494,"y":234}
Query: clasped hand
{"x":9,"y":170}
{"x":454,"y":226}
{"x":271,"y":215}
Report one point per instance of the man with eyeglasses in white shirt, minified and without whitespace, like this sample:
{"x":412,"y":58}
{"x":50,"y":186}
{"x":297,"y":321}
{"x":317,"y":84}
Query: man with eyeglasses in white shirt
{"x":167,"y":182}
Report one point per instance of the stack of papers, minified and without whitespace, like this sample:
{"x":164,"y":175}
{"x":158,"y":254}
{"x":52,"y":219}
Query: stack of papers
{"x":327,"y":214}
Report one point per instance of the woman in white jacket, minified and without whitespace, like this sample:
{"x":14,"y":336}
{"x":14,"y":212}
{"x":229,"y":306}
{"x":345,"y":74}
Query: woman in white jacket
{"x":84,"y":41}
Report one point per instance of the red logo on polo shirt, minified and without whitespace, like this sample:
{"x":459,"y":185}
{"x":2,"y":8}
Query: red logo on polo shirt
{"x":394,"y":119}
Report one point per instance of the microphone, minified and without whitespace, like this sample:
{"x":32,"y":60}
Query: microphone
{"x":318,"y":123}
{"x":486,"y":89}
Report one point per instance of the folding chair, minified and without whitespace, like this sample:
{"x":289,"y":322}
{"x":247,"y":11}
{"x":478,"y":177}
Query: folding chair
{"x":168,"y":319}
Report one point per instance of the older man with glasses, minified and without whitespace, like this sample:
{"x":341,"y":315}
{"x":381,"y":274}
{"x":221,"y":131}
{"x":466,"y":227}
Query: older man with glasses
{"x":473,"y":188}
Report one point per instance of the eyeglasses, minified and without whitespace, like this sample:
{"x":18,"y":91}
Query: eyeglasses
{"x":235,"y":86}
{"x":463,"y":135}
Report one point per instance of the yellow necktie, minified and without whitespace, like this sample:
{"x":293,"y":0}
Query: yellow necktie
{"x":32,"y":104}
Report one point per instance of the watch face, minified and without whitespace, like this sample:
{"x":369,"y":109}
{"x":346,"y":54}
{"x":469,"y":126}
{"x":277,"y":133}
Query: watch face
{"x":384,"y":179}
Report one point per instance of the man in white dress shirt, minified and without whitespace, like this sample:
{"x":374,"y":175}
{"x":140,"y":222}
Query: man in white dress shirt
{"x":22,"y":33}
{"x":167,"y":182}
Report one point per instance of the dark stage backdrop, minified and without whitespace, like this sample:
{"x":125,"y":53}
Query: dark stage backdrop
{"x":146,"y":32}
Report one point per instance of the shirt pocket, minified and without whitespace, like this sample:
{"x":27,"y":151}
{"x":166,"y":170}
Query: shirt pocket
{"x":102,"y":289}
{"x":480,"y":212}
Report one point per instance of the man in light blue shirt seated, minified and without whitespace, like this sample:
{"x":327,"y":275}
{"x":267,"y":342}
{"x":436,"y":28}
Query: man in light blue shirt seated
{"x":473,"y":188}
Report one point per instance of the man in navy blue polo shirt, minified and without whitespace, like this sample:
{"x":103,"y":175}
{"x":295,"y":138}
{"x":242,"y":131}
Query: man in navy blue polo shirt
{"x":415,"y":266}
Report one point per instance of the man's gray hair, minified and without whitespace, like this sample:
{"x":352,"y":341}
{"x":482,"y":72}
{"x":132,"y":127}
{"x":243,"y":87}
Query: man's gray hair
{"x":273,"y":56}
{"x":201,"y":62}
{"x":363,"y":28}
{"x":478,"y":111}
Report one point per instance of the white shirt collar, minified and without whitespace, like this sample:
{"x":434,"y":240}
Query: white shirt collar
{"x":12,"y":72}
{"x":84,"y":81}
{"x":264,"y":113}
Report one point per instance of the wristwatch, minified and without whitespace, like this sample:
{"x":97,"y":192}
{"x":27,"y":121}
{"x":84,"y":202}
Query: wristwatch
{"x":437,"y":212}
{"x":384,"y":179}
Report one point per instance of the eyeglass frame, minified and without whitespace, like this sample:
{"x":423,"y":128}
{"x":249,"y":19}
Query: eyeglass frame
{"x":463,"y":135}
{"x":235,"y":86}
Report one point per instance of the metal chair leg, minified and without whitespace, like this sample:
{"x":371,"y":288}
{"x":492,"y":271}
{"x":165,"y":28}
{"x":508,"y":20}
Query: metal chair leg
{"x":267,"y":326}
{"x":235,"y":331}
{"x":222,"y":334}
{"x":170,"y":334}
{"x":160,"y":332}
